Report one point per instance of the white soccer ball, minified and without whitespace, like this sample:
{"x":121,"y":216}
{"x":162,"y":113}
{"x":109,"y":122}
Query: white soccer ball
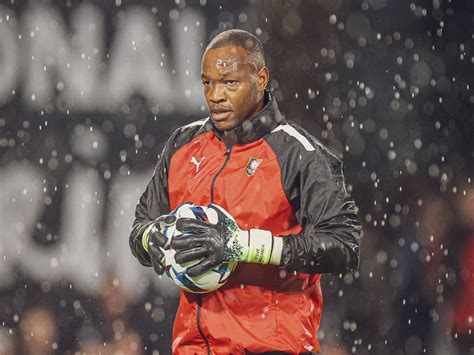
{"x":208,"y":281}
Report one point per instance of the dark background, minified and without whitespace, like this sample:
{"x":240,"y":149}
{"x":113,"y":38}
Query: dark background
{"x":386,"y":85}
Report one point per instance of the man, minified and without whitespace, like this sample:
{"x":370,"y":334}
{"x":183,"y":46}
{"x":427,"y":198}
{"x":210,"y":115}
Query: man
{"x":285,"y":191}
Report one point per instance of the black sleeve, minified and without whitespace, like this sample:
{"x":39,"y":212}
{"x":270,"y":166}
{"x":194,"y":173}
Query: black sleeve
{"x":153,"y":203}
{"x":313,"y":180}
{"x":330,"y":241}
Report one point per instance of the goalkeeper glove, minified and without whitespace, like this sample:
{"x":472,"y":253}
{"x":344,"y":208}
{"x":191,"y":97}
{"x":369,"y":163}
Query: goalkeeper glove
{"x":223,"y":242}
{"x":153,"y":240}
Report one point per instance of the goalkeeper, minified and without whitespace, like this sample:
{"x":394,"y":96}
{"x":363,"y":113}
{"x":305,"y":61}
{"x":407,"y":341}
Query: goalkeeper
{"x":286,"y":192}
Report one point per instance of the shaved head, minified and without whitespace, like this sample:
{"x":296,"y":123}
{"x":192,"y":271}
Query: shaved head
{"x":253,"y":47}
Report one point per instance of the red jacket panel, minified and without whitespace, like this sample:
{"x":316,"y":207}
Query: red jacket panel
{"x":281,"y":309}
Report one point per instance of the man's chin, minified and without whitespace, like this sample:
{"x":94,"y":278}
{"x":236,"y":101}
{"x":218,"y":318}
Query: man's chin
{"x":224,"y":125}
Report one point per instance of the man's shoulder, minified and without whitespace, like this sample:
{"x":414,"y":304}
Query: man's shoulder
{"x":291,"y":141}
{"x":184,"y":134}
{"x":294,"y":135}
{"x":195,"y":125}
{"x":200,"y":126}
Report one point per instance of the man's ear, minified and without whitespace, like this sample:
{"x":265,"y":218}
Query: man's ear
{"x":262,"y":78}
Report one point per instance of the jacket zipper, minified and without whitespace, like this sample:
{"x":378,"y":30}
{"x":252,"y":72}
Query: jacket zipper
{"x":227,"y":156}
{"x":198,"y":319}
{"x":199,"y":325}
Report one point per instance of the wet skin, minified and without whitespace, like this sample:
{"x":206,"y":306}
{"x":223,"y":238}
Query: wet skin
{"x":233,"y":86}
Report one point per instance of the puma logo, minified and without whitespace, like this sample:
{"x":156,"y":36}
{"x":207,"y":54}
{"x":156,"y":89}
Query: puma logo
{"x":194,"y":161}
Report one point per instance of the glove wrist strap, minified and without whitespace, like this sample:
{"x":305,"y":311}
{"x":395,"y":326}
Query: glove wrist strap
{"x":277,"y":251}
{"x":258,"y":245}
{"x":146,"y":237}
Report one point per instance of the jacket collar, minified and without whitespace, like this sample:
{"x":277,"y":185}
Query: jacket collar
{"x":254,"y":128}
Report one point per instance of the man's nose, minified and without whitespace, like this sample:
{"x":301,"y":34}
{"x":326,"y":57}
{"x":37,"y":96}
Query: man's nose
{"x":216,"y":93}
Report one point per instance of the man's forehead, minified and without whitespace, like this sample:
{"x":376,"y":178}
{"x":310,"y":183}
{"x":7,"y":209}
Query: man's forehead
{"x":225,"y":59}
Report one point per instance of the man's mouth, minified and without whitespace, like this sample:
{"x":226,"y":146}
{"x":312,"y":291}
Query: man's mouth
{"x":220,"y":114}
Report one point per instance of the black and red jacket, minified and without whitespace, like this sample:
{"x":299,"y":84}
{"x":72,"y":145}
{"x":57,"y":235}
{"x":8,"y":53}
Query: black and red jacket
{"x":296,"y":190}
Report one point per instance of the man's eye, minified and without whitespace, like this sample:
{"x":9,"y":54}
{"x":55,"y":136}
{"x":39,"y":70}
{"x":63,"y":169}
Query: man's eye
{"x":231,"y":82}
{"x":206,"y":83}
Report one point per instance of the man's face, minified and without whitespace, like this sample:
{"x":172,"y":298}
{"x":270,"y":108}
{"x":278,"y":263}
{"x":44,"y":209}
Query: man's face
{"x":232,"y":86}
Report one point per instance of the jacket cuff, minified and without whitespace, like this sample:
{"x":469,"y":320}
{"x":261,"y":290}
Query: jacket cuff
{"x":286,"y":253}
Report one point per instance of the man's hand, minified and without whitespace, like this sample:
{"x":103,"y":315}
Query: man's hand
{"x":153,"y":239}
{"x":222,"y":242}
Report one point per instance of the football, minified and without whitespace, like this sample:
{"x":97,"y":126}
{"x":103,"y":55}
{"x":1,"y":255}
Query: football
{"x":208,"y":281}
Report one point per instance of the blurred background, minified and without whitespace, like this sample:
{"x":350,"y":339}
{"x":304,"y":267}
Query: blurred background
{"x":90,"y":90}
